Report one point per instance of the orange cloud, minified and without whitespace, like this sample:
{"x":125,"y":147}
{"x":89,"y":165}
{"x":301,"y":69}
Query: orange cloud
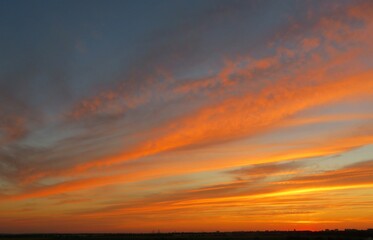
{"x":243,"y":116}
{"x":282,"y":199}
{"x":336,"y":145}
{"x":310,"y":43}
{"x":266,"y":102}
{"x":251,"y":111}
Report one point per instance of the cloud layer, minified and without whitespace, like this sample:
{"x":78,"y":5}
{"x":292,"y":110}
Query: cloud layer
{"x":232,"y":110}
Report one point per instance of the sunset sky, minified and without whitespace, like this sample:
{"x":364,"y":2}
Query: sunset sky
{"x":185,"y":115}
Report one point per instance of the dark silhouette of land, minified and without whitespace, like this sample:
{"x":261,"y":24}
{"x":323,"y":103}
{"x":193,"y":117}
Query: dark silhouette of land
{"x":254,"y":235}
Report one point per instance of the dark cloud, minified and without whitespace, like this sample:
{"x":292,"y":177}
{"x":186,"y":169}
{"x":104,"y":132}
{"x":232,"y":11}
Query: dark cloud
{"x":259,"y":171}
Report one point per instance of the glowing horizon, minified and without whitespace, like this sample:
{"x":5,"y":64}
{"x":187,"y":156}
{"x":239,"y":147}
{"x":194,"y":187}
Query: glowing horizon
{"x":138,"y":116}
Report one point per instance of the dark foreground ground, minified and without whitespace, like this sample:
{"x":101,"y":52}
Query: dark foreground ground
{"x":266,"y":235}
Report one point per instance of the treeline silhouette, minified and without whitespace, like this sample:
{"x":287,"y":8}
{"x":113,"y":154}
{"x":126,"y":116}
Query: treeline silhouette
{"x":255,"y":235}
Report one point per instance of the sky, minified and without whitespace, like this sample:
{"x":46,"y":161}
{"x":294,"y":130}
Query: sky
{"x":185,"y":115}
